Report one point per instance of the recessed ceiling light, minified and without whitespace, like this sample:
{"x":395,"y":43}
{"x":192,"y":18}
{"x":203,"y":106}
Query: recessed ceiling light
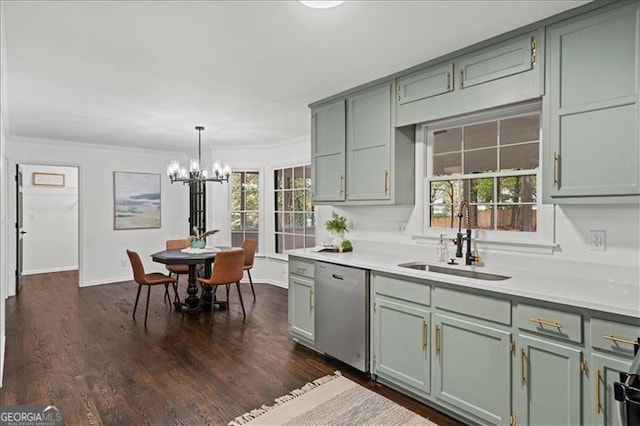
{"x":320,"y":4}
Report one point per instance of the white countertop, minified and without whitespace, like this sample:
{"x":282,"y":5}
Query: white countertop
{"x":598,"y":293}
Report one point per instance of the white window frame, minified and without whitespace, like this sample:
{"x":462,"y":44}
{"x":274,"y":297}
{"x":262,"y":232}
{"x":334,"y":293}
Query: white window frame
{"x":274,"y":210}
{"x":260,"y":210}
{"x":539,"y":241}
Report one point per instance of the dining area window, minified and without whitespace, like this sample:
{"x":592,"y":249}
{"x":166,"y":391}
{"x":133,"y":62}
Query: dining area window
{"x":245,"y":206}
{"x":294,"y":214}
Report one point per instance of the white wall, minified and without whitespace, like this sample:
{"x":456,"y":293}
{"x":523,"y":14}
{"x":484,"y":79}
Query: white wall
{"x":50,"y":218}
{"x":102,"y":255}
{"x":269,"y":267}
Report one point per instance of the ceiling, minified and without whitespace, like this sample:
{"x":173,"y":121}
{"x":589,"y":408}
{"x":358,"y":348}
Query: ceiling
{"x":144,"y":73}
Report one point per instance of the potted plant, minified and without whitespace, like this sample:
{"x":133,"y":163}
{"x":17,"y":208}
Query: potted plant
{"x":337,"y":227}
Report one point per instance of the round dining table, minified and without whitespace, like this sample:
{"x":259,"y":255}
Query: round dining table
{"x":178,"y":257}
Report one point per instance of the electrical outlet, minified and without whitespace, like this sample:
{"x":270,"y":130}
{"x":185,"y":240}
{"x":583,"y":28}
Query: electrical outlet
{"x":597,"y":240}
{"x":402,"y":226}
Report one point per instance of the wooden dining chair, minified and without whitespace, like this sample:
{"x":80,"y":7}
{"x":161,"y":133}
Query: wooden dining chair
{"x":249,"y":247}
{"x":142,"y":278}
{"x":179,"y":269}
{"x":228,"y":268}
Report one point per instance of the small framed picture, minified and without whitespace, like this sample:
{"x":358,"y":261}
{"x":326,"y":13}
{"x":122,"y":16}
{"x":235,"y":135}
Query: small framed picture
{"x":47,"y":179}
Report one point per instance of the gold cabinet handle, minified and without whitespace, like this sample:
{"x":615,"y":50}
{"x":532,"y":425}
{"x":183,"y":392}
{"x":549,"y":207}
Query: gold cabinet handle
{"x":598,"y":378}
{"x":310,"y":301}
{"x":584,"y":366}
{"x":542,"y":322}
{"x":341,"y":184}
{"x":522,"y":367}
{"x":448,"y":80}
{"x":462,"y":79}
{"x":300,"y":270}
{"x":386,"y":182}
{"x":555,"y":170}
{"x":424,"y":335}
{"x":437,"y":340}
{"x":534,"y":45}
{"x":619,"y":339}
{"x":398,"y":91}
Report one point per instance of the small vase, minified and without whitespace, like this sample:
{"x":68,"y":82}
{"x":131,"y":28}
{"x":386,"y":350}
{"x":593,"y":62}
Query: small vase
{"x":337,"y":239}
{"x":198,"y":243}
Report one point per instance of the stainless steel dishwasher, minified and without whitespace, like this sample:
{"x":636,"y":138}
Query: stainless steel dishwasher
{"x":342,"y":313}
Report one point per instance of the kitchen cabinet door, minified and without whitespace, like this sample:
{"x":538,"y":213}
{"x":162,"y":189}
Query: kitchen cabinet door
{"x":369,"y":144}
{"x":301,"y":312}
{"x":498,"y":61}
{"x":503,"y":73}
{"x":547,"y":383}
{"x":592,"y":141}
{"x":328,"y":130}
{"x":425,"y":84}
{"x":472,"y":368}
{"x":401,"y":349}
{"x":604,"y":372}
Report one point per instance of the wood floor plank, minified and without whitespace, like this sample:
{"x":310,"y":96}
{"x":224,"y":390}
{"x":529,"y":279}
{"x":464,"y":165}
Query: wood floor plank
{"x":80,"y":349}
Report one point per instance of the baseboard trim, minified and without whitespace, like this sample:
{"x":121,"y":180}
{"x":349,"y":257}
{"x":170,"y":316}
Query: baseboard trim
{"x":266,"y":281}
{"x":50,"y":270}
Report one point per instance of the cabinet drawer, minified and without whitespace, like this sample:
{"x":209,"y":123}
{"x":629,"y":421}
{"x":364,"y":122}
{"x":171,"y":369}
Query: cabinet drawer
{"x":301,"y":267}
{"x":614,"y":336}
{"x":402,"y":288}
{"x":474,"y":305}
{"x":550,"y":322}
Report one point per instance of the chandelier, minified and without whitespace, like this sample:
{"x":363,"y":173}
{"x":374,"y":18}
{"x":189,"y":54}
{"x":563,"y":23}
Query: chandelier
{"x":196,"y":174}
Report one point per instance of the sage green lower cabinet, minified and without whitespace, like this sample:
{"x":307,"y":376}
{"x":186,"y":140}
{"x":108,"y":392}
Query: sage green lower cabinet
{"x":301,"y":301}
{"x":547,"y":386}
{"x":472,"y":368}
{"x":401,"y":343}
{"x":400,"y":332}
{"x":604,"y":372}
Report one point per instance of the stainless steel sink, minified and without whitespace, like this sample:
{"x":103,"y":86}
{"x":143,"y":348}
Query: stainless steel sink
{"x":450,"y":271}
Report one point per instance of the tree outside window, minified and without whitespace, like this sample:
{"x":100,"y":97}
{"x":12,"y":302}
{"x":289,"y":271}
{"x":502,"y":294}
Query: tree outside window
{"x":494,"y":166}
{"x":245,"y":206}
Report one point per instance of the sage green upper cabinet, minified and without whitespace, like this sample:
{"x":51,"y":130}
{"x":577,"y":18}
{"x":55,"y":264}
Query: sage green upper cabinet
{"x":356,"y":134}
{"x":502,"y":73}
{"x":368,"y":143}
{"x":503,"y":60}
{"x":592,"y":137}
{"x":425,"y":84}
{"x":328,"y":151}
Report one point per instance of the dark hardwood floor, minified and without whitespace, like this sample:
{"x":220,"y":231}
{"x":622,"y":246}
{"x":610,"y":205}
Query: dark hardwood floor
{"x":79,"y":349}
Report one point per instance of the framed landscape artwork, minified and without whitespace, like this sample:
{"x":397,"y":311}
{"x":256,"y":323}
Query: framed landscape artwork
{"x":136,"y":200}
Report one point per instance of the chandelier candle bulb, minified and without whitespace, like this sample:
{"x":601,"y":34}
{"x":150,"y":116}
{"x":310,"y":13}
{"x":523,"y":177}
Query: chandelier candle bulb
{"x":197,"y":173}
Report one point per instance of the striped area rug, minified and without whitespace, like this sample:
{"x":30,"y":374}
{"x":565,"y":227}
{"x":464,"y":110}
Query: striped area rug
{"x":331,"y":400}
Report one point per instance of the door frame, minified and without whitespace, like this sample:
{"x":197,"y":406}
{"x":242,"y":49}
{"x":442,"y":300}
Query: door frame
{"x":10,"y":255}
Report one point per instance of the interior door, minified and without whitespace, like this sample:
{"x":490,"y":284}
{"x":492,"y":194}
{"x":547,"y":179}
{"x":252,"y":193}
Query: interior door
{"x":19,"y":228}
